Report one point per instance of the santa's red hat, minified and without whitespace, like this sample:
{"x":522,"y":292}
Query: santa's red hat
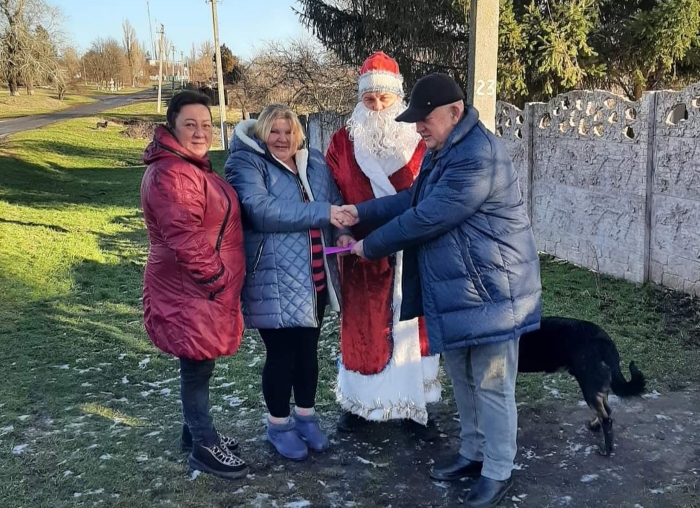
{"x":380,"y":73}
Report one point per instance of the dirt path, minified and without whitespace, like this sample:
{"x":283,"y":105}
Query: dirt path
{"x":656,"y":462}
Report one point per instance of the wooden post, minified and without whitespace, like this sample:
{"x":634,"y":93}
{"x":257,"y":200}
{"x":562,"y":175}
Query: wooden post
{"x":219,"y":78}
{"x":483,"y":59}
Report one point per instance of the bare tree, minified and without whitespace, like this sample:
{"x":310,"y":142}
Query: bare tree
{"x":300,"y":73}
{"x":134,"y":52}
{"x":105,"y":62}
{"x":30,"y":38}
{"x":69,"y":71}
{"x":202,"y":68}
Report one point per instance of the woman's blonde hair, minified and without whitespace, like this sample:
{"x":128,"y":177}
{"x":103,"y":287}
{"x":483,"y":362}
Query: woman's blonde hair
{"x":273,"y":112}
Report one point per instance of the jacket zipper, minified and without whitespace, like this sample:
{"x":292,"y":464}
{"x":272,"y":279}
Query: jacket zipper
{"x":258,"y":257}
{"x":219,"y":239}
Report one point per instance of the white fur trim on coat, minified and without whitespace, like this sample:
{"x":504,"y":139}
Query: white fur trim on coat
{"x":380,"y":81}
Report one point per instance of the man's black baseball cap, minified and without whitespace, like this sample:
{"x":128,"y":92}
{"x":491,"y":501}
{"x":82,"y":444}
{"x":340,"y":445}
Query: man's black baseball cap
{"x":430,"y":92}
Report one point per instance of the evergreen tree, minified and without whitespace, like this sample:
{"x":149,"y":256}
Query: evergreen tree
{"x":546,"y":47}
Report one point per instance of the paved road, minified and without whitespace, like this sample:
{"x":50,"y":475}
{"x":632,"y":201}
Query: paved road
{"x":26,"y":123}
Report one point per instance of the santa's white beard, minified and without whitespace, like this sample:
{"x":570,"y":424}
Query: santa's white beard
{"x":380,"y":135}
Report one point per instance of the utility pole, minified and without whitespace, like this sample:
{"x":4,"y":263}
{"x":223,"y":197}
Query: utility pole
{"x":174,"y":67}
{"x":160,"y":65}
{"x":219,"y":77}
{"x":182,"y":69}
{"x":483,"y":59}
{"x":150,"y":29}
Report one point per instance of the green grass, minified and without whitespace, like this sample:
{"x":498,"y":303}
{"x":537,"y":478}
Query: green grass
{"x":98,"y":405}
{"x":43,"y":101}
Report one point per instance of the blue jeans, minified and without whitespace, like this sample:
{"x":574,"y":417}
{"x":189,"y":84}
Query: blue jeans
{"x":483,"y":380}
{"x":194,"y":393}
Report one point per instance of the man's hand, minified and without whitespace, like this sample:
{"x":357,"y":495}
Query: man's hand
{"x":342,"y":216}
{"x":351,"y":210}
{"x":358,"y":249}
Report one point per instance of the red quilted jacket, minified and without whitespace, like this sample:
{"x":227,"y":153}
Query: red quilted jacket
{"x":196,"y":263}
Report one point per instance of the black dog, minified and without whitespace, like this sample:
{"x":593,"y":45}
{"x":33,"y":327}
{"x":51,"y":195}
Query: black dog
{"x":588,"y":353}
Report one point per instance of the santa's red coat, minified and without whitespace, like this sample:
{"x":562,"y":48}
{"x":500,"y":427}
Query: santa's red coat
{"x":367,"y":286}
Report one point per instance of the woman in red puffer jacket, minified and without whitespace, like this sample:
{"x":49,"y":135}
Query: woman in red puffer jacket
{"x":195,"y":270}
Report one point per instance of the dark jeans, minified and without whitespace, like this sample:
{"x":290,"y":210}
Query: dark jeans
{"x":194,"y":393}
{"x":291,"y":363}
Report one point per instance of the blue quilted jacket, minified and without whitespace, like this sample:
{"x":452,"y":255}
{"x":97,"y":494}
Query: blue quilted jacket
{"x":279,"y":290}
{"x":470,"y":261}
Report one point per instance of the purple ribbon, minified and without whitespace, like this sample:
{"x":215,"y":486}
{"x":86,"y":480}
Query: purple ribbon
{"x":337,"y":250}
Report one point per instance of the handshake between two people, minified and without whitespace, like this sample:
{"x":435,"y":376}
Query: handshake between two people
{"x":344,"y":217}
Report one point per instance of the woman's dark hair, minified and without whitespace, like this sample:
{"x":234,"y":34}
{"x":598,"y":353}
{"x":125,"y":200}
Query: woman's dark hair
{"x":183,"y":99}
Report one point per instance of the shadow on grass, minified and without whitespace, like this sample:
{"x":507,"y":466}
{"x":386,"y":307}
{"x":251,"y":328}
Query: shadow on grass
{"x":23,"y":183}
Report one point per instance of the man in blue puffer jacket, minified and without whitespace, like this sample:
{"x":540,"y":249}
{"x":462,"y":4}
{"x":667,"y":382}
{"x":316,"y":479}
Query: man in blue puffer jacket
{"x":471,"y":268}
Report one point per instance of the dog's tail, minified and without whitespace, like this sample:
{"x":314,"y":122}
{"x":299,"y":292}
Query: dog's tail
{"x":623,"y":388}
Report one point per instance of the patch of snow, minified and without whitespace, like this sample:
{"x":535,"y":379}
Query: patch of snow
{"x":657,"y":491}
{"x":652,"y":395}
{"x":146,"y":393}
{"x":106,"y":456}
{"x":165,"y":391}
{"x":194,"y":474}
{"x":142,"y":458}
{"x":122,"y":356}
{"x":588,"y":478}
{"x":17,"y":450}
{"x":662,"y":417}
{"x":369,"y":462}
{"x":125,"y":380}
{"x":6,"y":430}
{"x":86,"y":385}
{"x":152,"y":434}
{"x":67,"y":473}
{"x":144,"y":362}
{"x":290,"y":485}
{"x":565,"y":501}
{"x":62,"y":367}
{"x":298,"y":504}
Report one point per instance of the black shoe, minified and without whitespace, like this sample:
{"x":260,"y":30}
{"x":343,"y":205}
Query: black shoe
{"x":349,"y":422}
{"x":487,"y":493}
{"x":230,"y":443}
{"x":217,"y":461}
{"x":427,"y":432}
{"x":456,"y":469}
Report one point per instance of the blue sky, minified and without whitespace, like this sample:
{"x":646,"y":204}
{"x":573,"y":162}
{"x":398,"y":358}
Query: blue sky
{"x":243,"y":24}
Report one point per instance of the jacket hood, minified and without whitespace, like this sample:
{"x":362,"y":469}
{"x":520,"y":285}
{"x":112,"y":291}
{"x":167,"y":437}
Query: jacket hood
{"x":244,"y":139}
{"x":164,"y":145}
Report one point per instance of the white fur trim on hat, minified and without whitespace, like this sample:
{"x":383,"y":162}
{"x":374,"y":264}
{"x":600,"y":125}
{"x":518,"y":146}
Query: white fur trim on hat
{"x":380,"y":81}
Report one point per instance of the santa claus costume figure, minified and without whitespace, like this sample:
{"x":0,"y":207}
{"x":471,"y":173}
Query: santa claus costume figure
{"x":385,"y":371}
